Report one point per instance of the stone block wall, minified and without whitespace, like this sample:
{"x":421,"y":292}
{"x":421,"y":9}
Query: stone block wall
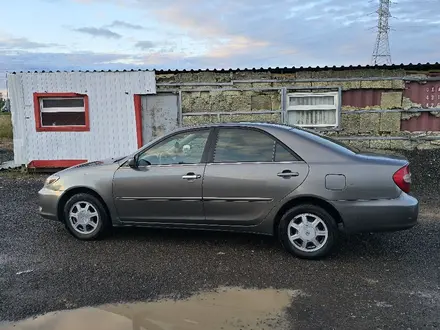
{"x":229,"y":102}
{"x":374,"y":110}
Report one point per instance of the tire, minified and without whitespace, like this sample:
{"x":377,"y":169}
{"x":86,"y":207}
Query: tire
{"x":89,"y":204}
{"x":326,"y":223}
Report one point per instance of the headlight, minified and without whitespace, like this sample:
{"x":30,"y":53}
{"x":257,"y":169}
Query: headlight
{"x":52,"y":179}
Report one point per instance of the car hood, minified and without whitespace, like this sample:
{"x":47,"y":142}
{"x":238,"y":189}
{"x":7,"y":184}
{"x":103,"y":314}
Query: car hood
{"x":116,"y":161}
{"x":106,"y":161}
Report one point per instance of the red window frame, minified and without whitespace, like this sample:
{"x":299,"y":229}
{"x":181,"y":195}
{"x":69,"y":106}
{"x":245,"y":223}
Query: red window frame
{"x":67,"y":128}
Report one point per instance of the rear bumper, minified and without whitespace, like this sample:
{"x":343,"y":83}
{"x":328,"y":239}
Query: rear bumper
{"x":379,"y":215}
{"x":48,"y":203}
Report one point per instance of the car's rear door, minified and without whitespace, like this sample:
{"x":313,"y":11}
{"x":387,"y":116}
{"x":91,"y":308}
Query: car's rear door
{"x":248,"y":173}
{"x":170,"y":189}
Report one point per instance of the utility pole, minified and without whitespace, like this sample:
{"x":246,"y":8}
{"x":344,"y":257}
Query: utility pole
{"x":382,"y":53}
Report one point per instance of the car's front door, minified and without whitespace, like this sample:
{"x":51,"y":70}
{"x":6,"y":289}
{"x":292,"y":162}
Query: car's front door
{"x":249,"y":173}
{"x":166,"y":186}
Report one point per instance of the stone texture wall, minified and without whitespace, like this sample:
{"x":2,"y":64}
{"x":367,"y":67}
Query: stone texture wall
{"x":230,"y":101}
{"x":373,"y":128}
{"x":364,"y":125}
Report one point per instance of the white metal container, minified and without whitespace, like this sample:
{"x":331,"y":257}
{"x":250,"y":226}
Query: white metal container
{"x":111,"y":115}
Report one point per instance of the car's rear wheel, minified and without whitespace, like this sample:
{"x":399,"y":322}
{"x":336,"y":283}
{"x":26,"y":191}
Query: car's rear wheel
{"x":308,"y":231}
{"x":85,"y":217}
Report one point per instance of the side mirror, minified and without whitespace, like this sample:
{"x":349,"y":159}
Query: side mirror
{"x":132,"y":163}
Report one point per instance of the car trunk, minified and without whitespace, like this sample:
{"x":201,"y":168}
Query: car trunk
{"x":397,"y":166}
{"x":384,"y":158}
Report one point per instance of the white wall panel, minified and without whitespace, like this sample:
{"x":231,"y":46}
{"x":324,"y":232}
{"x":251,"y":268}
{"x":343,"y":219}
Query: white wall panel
{"x":17,"y":117}
{"x":111,"y":109}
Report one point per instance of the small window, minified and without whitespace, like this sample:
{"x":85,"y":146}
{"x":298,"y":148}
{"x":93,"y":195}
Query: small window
{"x":282,"y":154}
{"x":61,"y":112}
{"x":182,"y":148}
{"x":313,"y":109}
{"x":243,"y":145}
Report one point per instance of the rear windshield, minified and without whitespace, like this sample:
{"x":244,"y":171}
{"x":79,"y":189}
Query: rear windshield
{"x":328,"y":141}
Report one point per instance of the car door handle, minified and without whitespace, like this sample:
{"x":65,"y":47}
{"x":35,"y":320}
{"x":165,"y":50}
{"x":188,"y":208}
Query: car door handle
{"x":287,"y":174}
{"x":191,"y":176}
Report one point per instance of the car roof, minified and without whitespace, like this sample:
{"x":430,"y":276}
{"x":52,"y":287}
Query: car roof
{"x":243,"y":124}
{"x":309,"y":137}
{"x":309,"y":145}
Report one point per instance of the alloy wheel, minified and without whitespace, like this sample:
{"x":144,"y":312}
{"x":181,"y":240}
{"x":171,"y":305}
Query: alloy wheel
{"x":307,"y":232}
{"x":84,"y":217}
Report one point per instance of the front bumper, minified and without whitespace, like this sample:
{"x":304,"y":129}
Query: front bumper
{"x":379,"y":215}
{"x":48,"y":203}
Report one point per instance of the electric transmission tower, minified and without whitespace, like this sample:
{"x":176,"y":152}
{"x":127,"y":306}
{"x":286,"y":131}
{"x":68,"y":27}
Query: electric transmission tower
{"x":382,"y":53}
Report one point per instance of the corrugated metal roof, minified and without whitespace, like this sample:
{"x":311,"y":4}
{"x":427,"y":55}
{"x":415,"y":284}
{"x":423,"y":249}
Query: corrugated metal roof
{"x":410,"y":66}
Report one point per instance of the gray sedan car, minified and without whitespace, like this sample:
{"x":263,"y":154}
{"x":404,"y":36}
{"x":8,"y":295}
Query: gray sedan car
{"x":261,"y":178}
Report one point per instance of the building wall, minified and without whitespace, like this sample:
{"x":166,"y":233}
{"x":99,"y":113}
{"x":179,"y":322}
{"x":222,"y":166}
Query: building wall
{"x":111,"y":110}
{"x":388,"y":109}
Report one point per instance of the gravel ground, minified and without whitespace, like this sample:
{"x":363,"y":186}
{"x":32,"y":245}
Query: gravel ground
{"x":6,"y":150}
{"x":388,"y":280}
{"x":5,"y":154}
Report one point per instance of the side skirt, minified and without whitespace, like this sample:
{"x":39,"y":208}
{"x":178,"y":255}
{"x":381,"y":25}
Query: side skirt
{"x":228,"y":228}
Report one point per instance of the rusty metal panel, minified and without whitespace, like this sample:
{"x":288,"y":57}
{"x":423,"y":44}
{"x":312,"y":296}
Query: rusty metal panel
{"x":427,"y":94}
{"x":160,"y":115}
{"x":424,"y":122}
{"x":362,"y":98}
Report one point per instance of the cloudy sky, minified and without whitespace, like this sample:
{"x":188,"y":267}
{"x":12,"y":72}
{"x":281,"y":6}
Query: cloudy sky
{"x":169,"y":34}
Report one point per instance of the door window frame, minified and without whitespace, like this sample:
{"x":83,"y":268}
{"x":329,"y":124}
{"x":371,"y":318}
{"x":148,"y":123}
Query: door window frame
{"x":215,"y":135}
{"x":205,"y":154}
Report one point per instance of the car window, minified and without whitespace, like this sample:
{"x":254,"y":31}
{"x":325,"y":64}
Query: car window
{"x":282,"y":154}
{"x":183,"y":148}
{"x":243,"y":145}
{"x":326,"y":140}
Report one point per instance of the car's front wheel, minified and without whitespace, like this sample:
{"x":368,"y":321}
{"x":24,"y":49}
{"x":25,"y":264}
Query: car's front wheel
{"x":85,"y":217}
{"x":308,"y":231}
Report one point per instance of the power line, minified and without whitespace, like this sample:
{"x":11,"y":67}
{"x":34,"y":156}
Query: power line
{"x":382,"y":52}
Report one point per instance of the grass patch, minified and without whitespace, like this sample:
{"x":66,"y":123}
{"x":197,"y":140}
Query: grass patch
{"x":22,"y":173}
{"x":15,"y":173}
{"x":5,"y":126}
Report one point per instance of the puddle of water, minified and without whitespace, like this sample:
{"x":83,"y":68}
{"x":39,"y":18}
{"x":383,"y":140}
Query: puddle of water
{"x":227,"y":309}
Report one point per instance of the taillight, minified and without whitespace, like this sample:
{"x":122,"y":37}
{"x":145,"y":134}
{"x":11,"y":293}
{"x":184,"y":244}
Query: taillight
{"x":402,"y":178}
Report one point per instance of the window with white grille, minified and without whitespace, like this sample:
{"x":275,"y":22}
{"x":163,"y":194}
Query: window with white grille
{"x":313,"y":109}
